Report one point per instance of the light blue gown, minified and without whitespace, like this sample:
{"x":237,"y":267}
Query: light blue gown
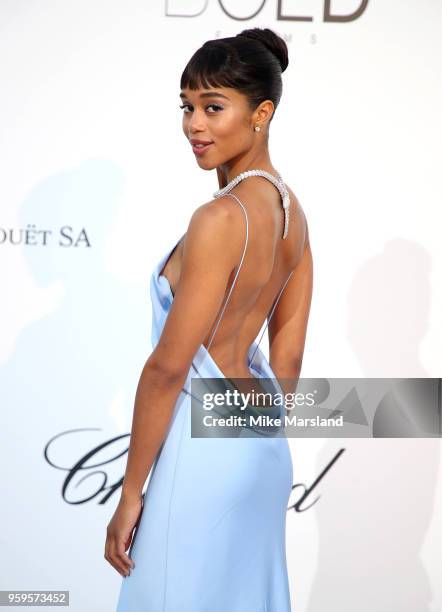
{"x":211,"y":537}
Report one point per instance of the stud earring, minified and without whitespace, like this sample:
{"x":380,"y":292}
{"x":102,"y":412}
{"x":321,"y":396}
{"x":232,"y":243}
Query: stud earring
{"x":257,"y":128}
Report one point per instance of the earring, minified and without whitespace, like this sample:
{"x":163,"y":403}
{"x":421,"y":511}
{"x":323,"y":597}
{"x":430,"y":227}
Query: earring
{"x":257,"y":128}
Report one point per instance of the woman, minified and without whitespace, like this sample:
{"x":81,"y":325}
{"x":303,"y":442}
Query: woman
{"x":210,"y":534}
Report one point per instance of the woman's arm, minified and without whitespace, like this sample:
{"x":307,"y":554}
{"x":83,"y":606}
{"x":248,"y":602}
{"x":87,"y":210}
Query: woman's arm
{"x":157,"y":391}
{"x":205,"y":271}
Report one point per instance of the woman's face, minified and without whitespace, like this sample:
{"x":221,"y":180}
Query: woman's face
{"x":221,"y":119}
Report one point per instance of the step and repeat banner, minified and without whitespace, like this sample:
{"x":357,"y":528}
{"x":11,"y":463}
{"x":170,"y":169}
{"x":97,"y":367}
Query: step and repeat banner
{"x":98,"y":180}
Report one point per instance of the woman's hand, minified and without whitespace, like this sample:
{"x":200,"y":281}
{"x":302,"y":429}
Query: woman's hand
{"x":120,"y":534}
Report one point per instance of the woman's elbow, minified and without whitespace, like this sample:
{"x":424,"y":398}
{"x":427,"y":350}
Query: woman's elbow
{"x":165,"y":372}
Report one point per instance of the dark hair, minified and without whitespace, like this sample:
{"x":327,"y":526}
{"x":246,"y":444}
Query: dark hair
{"x":252,"y":62}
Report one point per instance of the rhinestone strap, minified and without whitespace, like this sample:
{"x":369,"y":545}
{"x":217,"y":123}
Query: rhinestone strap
{"x":277,"y":181}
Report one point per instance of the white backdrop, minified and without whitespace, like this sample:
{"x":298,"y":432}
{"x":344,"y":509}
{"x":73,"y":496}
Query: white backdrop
{"x":98,"y":180}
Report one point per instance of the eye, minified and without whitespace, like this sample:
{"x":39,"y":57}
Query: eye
{"x":215,"y":107}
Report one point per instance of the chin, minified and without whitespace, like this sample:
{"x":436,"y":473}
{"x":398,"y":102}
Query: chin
{"x":206,"y":165}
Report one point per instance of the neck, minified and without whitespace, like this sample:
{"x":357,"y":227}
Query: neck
{"x":227,"y":171}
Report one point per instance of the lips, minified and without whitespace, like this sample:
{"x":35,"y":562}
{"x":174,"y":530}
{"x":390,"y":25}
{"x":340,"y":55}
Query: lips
{"x":197,"y":141}
{"x":200,"y":146}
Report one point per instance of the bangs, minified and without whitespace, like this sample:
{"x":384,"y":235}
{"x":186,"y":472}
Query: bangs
{"x":236,"y":62}
{"x":210,"y":66}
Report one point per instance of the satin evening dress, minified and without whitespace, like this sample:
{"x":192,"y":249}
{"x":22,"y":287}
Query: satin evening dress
{"x":211,"y":536}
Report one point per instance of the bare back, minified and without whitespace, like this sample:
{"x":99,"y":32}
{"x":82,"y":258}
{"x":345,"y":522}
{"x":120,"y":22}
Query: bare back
{"x":268,"y":268}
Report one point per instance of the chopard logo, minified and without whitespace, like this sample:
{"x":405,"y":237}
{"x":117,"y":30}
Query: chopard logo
{"x":88,"y":475}
{"x":184,"y":8}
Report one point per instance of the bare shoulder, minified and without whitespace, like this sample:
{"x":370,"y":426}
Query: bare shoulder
{"x":216,"y":212}
{"x":212,"y":226}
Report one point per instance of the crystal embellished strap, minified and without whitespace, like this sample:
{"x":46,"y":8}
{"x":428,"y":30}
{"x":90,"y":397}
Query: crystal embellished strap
{"x":277,"y":181}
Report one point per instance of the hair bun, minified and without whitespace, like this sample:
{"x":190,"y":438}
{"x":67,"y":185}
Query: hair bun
{"x":274,"y":43}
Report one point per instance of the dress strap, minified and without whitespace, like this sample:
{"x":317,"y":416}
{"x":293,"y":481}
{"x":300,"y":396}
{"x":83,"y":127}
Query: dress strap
{"x":270,"y":315}
{"x":237,"y":272}
{"x":218,"y":321}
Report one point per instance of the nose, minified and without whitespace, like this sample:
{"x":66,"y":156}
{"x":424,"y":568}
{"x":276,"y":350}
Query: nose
{"x":196,"y":122}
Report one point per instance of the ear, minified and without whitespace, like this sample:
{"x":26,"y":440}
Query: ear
{"x":263,"y":112}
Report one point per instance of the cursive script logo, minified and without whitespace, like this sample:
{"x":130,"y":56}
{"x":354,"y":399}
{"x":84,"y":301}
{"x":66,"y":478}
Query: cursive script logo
{"x":307,"y":490}
{"x":85,"y":468}
{"x":88,"y":468}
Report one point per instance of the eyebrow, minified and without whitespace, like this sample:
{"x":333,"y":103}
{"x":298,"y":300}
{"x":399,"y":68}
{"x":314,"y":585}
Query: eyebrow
{"x":208,"y":94}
